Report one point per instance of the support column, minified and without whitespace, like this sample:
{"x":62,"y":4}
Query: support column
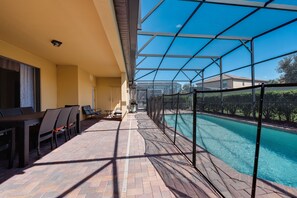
{"x":146,"y":100}
{"x":253,"y":77}
{"x":221,"y":84}
{"x":194,"y":145}
{"x":172,"y":95}
{"x":202,"y":76}
{"x":153,"y":88}
{"x":124,"y":94}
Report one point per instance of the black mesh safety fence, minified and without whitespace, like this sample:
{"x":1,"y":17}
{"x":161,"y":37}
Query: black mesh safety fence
{"x":226,"y":137}
{"x":241,"y":140}
{"x":183,"y":136}
{"x":141,"y":98}
{"x":277,"y":161}
{"x":170,"y":108}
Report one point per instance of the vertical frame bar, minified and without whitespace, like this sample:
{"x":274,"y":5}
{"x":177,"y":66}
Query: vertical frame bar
{"x":139,"y":23}
{"x":176,"y":114}
{"x":146,"y":100}
{"x":258,"y":139}
{"x":147,"y":103}
{"x":172,"y":95}
{"x":202,"y":75}
{"x":163,"y":111}
{"x":253,"y":77}
{"x":153,"y":88}
{"x":194,"y":127}
{"x":221,"y":84}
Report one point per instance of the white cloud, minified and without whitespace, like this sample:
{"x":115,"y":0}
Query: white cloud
{"x":178,"y":26}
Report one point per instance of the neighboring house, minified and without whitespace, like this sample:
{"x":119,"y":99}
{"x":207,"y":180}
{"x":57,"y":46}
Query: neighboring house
{"x":229,"y":82}
{"x":159,"y":87}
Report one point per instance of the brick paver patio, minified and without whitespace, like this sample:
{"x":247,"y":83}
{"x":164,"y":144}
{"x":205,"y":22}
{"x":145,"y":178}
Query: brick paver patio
{"x":106,"y":160}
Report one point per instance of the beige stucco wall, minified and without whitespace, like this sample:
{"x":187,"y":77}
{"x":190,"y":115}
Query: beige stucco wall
{"x":86,"y":83}
{"x":74,"y":86}
{"x":48,"y":72}
{"x":104,"y":90}
{"x":67,"y":76}
{"x":239,"y":83}
{"x":215,"y":84}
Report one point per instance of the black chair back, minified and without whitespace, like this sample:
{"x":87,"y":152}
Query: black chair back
{"x":48,"y":121}
{"x":63,"y":117}
{"x":10,"y":112}
{"x":72,"y":116}
{"x":27,"y":110}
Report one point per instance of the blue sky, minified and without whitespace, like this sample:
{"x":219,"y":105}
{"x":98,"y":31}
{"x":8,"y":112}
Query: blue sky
{"x":211,"y":20}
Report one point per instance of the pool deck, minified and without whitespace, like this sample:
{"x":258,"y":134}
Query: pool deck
{"x":109,"y":159}
{"x":230,"y":182}
{"x":129,"y":158}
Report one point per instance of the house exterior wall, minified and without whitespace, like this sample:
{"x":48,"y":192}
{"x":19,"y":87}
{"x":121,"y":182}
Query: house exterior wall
{"x":212,"y":85}
{"x":48,"y":72}
{"x":241,"y":83}
{"x":247,"y":83}
{"x":67,"y":85}
{"x":108,"y":90}
{"x":160,"y":88}
{"x":216,"y":84}
{"x":86,"y":84}
{"x":229,"y":84}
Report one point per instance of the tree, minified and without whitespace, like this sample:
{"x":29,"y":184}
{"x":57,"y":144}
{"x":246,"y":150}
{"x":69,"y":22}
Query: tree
{"x":273,"y":81}
{"x":288,"y":69}
{"x":186,"y":88}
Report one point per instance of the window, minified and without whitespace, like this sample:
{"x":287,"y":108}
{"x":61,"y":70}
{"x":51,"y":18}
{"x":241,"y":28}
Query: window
{"x":225,"y":84}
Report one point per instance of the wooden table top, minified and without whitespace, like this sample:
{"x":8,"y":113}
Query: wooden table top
{"x":36,"y":115}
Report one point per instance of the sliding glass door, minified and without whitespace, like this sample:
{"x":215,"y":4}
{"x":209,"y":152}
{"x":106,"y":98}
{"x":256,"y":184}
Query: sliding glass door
{"x":19,"y":85}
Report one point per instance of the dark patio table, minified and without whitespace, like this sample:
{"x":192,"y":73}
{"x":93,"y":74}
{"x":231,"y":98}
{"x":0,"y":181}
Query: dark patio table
{"x":22,"y":123}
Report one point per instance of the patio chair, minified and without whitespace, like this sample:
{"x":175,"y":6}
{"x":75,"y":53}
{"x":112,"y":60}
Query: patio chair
{"x":44,"y":131}
{"x":117,"y":113}
{"x":71,"y":123}
{"x":10,"y":112}
{"x":61,"y":124}
{"x":7,"y":142}
{"x":27,"y":110}
{"x":88,"y":111}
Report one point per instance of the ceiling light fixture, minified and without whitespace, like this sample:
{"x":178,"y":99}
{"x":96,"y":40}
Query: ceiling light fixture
{"x":56,"y":43}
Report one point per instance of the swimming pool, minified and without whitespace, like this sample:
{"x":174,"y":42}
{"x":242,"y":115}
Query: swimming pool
{"x":234,"y":143}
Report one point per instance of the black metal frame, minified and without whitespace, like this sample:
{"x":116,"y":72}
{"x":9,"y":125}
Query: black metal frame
{"x":247,"y":42}
{"x":244,"y":40}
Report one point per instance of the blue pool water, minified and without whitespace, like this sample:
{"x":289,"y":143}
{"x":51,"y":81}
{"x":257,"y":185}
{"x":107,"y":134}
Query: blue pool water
{"x":234,"y":143}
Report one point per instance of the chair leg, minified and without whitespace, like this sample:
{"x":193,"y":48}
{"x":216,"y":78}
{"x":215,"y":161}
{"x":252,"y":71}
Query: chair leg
{"x":68,"y":133}
{"x":11,"y":148}
{"x":65,"y":135}
{"x":52,"y":142}
{"x":38,"y":150}
{"x":56,"y":141}
{"x":75,"y":131}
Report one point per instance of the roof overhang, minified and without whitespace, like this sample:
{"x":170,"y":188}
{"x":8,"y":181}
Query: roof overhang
{"x":127,"y":18}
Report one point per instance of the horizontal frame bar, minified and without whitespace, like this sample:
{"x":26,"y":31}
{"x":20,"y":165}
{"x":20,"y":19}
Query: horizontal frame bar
{"x":201,"y":36}
{"x":251,"y":4}
{"x":176,"y":56}
{"x":168,"y":69}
